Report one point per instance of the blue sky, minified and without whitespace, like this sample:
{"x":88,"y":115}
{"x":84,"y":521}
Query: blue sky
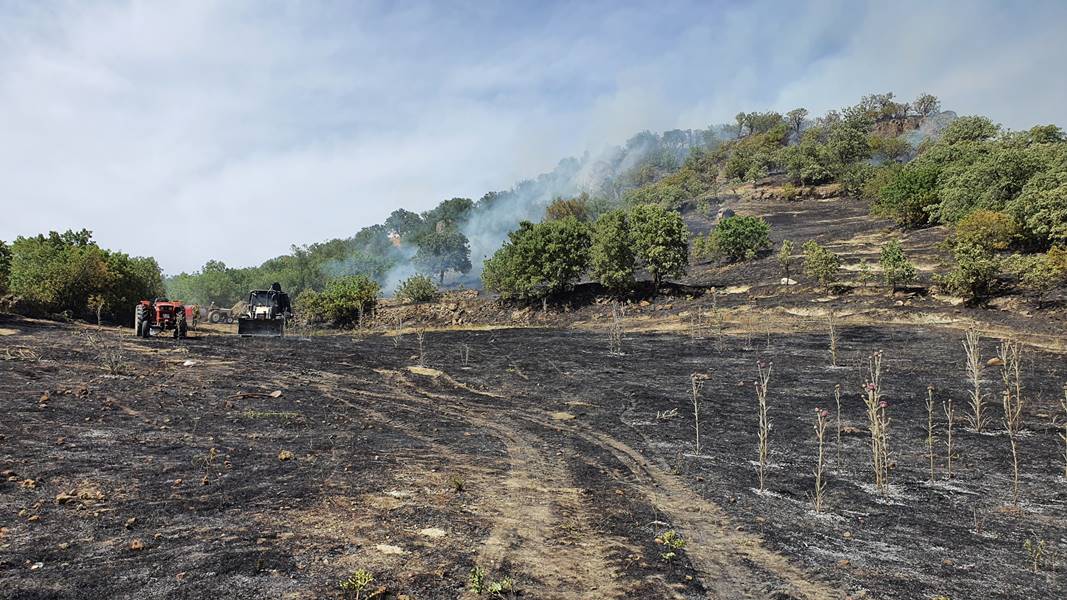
{"x":241,"y":127}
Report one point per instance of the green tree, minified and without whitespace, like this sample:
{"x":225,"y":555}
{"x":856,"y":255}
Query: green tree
{"x":795,"y":118}
{"x":1042,"y":207}
{"x":740,"y":237}
{"x":5,"y":266}
{"x":969,"y":129}
{"x":450,"y":212}
{"x":404,"y":223}
{"x":539,"y":260}
{"x":568,"y":207}
{"x":820,"y":263}
{"x":926,"y":104}
{"x":612,"y":254}
{"x":896,"y":268}
{"x":661,"y":241}
{"x":443,"y":251}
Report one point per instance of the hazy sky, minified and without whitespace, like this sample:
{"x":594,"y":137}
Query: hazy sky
{"x":196,"y":130}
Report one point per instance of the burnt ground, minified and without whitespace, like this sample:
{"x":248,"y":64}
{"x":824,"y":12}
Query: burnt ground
{"x":533,"y":453}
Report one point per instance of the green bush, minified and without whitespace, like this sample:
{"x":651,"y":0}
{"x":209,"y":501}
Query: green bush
{"x":740,"y":237}
{"x":307,"y":307}
{"x":418,"y":288}
{"x":908,"y":196}
{"x":987,"y":228}
{"x":1039,"y":272}
{"x":974,"y":272}
{"x":612,"y":255}
{"x":346,"y":300}
{"x":896,"y":269}
{"x":785,"y":257}
{"x":820,"y":263}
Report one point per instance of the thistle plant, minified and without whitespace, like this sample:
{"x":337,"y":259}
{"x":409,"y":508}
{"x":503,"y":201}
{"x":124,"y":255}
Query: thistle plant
{"x":878,"y":422}
{"x":615,"y":333}
{"x":947,"y":406}
{"x":930,"y":428}
{"x":837,"y":400}
{"x":973,"y":351}
{"x":821,"y":417}
{"x":764,"y":374}
{"x":1009,"y":353}
{"x":833,"y":338}
{"x":420,"y":336}
{"x":1063,"y":435}
{"x":697,"y":383}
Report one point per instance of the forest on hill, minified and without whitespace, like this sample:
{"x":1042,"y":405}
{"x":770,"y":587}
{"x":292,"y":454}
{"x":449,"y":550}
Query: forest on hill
{"x":1003,"y":193}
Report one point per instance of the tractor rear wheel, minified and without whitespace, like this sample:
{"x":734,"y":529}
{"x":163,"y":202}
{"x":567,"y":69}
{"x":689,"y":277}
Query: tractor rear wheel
{"x":215,"y":316}
{"x":139,"y":321}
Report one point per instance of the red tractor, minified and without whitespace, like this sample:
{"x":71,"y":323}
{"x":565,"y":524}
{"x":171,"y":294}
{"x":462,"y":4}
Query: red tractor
{"x":159,"y":315}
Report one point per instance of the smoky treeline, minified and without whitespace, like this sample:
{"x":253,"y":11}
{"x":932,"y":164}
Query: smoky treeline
{"x":1001,"y":192}
{"x":451,"y":242}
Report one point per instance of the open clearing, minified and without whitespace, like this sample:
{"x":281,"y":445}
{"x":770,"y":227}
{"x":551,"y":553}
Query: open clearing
{"x":531,"y":453}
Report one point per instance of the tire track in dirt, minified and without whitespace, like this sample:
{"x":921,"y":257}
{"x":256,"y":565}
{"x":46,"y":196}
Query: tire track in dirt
{"x":535,"y":503}
{"x":735,"y":564}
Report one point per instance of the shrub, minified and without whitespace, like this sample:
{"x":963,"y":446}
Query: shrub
{"x":987,"y":228}
{"x":740,"y":237}
{"x":974,"y":272}
{"x":307,"y":307}
{"x":1039,"y":272}
{"x":346,"y":299}
{"x":418,"y":288}
{"x":612,"y":255}
{"x":896,"y":269}
{"x":820,"y":263}
{"x":660,"y":241}
{"x":785,"y":257}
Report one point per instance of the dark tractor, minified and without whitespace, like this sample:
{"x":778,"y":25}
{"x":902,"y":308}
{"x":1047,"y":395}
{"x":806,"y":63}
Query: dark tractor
{"x":152,"y":317}
{"x":267,"y":313}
